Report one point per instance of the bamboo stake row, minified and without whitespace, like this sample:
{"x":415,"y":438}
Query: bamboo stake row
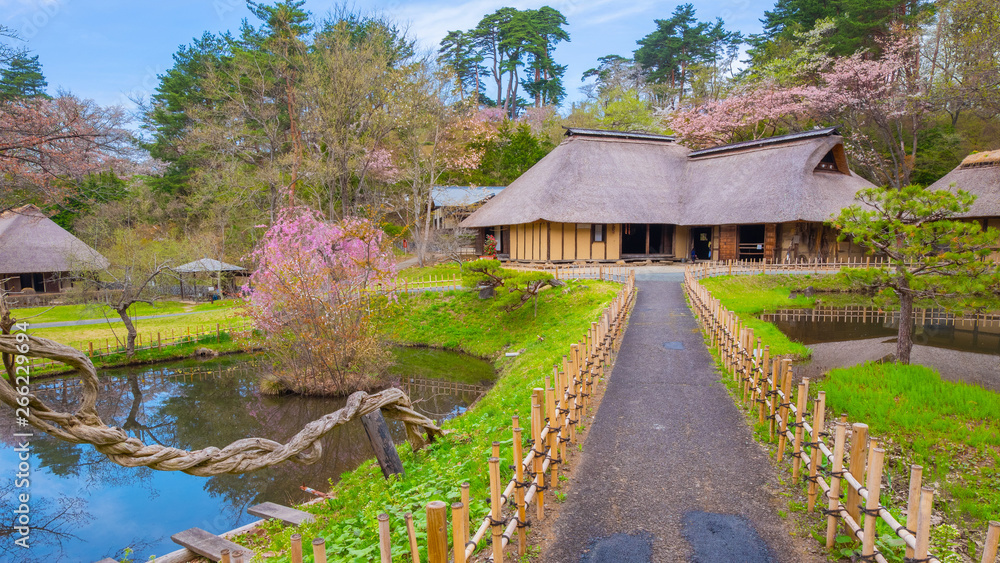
{"x":555,"y":411}
{"x":766,"y":382}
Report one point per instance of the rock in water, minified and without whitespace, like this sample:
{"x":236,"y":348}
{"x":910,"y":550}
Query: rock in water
{"x":205,"y":353}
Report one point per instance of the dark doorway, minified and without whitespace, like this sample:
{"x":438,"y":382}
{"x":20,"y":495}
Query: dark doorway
{"x":33,"y":281}
{"x":634,"y":238}
{"x":751,"y":242}
{"x":655,"y":239}
{"x":702,"y":237}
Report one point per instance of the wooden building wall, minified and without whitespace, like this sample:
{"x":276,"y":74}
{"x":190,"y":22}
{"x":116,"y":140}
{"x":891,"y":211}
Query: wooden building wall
{"x":545,"y":241}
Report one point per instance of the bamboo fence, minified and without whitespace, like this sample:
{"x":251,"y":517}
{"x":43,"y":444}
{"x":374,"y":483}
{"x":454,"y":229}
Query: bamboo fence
{"x":765,"y":384}
{"x":556,"y":410}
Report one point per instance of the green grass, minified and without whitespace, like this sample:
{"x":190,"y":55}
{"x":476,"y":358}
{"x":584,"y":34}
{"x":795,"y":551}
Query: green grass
{"x":750,"y":296}
{"x":951,"y":429}
{"x":455,"y":320}
{"x":447,"y":269}
{"x":204,"y":315}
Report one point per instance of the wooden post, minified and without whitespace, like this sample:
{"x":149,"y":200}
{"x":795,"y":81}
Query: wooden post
{"x":522,"y":540}
{"x":539,"y":458}
{"x":91,"y":346}
{"x":437,"y":532}
{"x":800,"y":409}
{"x":465,"y":513}
{"x":819,"y":420}
{"x":859,"y":444}
{"x":295,"y":548}
{"x":458,"y":531}
{"x":496,"y":525}
{"x":874,"y":485}
{"x":381,"y":441}
{"x":319,"y":550}
{"x":384,"y":539}
{"x":412,"y":533}
{"x":786,"y":389}
{"x":992,"y":542}
{"x":225,"y":556}
{"x":218,"y":333}
{"x":238,"y":556}
{"x":840,"y":436}
{"x":913,"y":503}
{"x":924,"y":523}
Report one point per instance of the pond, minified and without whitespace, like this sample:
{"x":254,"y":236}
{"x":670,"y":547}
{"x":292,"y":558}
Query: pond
{"x":961,"y":348}
{"x":98,"y":508}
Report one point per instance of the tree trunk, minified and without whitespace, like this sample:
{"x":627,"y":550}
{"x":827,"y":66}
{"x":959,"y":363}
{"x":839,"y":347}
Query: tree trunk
{"x":130,"y":338}
{"x":904,"y":342}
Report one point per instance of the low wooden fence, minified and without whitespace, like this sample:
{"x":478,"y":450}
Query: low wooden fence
{"x":599,"y":272}
{"x":158,"y":340}
{"x":765,"y":382}
{"x":860,"y":314}
{"x":555,"y":409}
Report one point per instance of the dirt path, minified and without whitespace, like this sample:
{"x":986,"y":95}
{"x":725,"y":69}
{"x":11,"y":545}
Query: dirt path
{"x":670,"y":470}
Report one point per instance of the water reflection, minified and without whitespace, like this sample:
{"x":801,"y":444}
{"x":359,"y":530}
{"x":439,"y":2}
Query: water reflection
{"x":961,"y":348}
{"x":193,"y":405}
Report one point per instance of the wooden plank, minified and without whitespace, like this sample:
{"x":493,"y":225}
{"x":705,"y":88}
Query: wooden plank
{"x":106,"y":560}
{"x":385,"y":449}
{"x":273,"y":511}
{"x":206,"y":544}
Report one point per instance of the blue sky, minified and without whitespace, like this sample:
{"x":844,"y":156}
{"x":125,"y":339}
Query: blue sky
{"x":110,"y":49}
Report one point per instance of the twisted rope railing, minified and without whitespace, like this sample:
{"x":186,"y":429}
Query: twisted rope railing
{"x":249,"y":454}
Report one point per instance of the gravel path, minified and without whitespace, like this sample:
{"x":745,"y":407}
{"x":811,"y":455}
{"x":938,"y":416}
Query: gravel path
{"x":670,"y":470}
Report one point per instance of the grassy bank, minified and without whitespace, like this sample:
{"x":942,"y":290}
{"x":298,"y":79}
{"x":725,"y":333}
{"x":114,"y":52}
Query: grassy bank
{"x":951,"y":429}
{"x":454,"y":320}
{"x":196,"y":315}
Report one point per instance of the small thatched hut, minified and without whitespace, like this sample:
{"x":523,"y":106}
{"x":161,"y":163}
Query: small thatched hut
{"x":37,"y":255}
{"x":978,"y":174}
{"x":609,"y":195}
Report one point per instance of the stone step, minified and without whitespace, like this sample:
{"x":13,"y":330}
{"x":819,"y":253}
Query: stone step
{"x":272,"y":511}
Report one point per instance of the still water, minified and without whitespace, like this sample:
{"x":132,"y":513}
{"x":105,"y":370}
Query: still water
{"x":85,"y":508}
{"x":961,"y":348}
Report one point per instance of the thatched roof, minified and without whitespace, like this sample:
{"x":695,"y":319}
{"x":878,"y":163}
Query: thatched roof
{"x":31,"y":243}
{"x":610,"y":177}
{"x":978,"y":174}
{"x":206,"y":265}
{"x":460,"y":196}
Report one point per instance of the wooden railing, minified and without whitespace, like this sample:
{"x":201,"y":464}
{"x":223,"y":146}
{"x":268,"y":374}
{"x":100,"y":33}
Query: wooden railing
{"x":765,"y":385}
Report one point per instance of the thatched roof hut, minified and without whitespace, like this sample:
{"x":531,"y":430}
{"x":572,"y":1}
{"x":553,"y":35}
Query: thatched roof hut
{"x":611,"y":177}
{"x":978,"y":174}
{"x":32,"y":243}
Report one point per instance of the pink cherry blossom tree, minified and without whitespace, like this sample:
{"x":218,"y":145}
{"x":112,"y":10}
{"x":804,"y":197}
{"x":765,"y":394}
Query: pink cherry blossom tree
{"x":315,"y":296}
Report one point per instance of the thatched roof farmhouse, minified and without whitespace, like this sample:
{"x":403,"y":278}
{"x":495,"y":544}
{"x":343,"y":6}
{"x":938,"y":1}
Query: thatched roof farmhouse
{"x":608,"y":195}
{"x":978,"y":174}
{"x":37,"y":255}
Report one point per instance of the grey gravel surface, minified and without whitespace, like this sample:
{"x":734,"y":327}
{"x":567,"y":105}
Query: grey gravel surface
{"x":667,"y":441}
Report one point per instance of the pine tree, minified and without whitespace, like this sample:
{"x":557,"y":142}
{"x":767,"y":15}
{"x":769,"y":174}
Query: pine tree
{"x":22,"y":78}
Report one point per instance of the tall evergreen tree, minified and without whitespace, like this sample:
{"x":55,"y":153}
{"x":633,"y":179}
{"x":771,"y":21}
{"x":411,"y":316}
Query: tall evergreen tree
{"x":22,"y":78}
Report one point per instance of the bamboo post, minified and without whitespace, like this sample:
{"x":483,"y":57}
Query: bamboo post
{"x":458,"y":531}
{"x":859,"y":443}
{"x":496,"y":449}
{"x":874,"y":485}
{"x":775,"y":387}
{"x":319,"y":550}
{"x":819,"y":420}
{"x":800,"y":409}
{"x":522,"y":516}
{"x":465,"y":511}
{"x":237,"y":556}
{"x":91,"y":346}
{"x":295,"y":548}
{"x":551,"y":438}
{"x":384,"y":539}
{"x":924,"y":523}
{"x":218,"y":333}
{"x":992,"y":542}
{"x":786,"y":389}
{"x":411,"y":532}
{"x":765,"y":361}
{"x":840,"y":436}
{"x":913,"y":503}
{"x":539,"y":457}
{"x":225,"y":556}
{"x":495,"y":523}
{"x":437,"y":531}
